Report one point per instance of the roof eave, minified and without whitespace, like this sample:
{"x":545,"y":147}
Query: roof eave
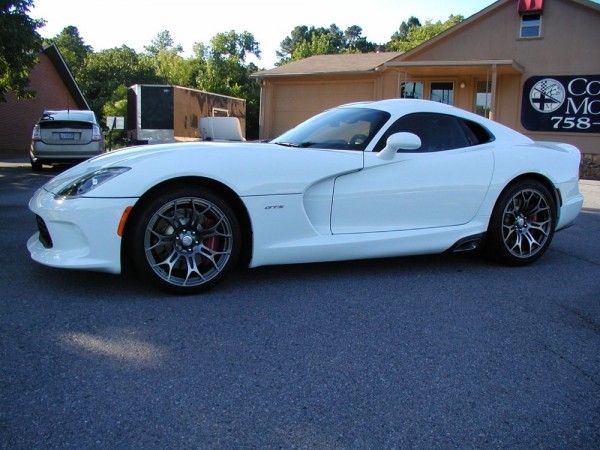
{"x":505,"y":65}
{"x":377,"y":69}
{"x":61,"y":67}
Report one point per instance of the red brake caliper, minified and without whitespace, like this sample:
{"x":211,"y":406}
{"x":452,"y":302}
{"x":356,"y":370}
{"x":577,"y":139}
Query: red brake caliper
{"x":213,"y":241}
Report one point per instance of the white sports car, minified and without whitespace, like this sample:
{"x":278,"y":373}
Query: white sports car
{"x":364,"y":180}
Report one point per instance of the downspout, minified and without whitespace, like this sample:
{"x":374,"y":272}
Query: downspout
{"x":493,"y":96}
{"x":261,"y":111}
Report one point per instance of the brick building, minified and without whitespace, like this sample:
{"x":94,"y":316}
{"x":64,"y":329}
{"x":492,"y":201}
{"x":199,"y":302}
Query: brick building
{"x":55,"y":88}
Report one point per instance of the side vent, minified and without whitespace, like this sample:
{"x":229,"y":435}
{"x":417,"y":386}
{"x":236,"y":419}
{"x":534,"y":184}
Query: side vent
{"x":468,"y":244}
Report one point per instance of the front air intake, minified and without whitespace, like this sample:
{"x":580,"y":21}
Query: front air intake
{"x":44,"y":237}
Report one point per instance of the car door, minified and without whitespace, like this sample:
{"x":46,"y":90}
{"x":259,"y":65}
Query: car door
{"x":441,"y":184}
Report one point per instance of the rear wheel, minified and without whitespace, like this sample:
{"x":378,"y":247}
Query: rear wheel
{"x":522,"y":224}
{"x":185,"y":239}
{"x":36,"y":166}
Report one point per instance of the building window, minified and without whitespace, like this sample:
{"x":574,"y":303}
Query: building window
{"x":531,"y":25}
{"x":411,"y":89}
{"x":442,"y":92}
{"x":483,"y":98}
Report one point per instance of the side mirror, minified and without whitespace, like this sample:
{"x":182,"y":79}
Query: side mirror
{"x":399,"y":141}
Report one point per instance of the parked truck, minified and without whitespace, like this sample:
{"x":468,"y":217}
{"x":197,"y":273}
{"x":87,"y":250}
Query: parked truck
{"x":165,"y":113}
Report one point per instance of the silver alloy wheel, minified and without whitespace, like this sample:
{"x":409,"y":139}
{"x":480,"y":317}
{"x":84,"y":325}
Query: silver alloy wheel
{"x":188,"y":241}
{"x":526,"y":223}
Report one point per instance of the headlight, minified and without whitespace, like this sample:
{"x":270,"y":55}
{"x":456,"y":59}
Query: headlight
{"x":90,"y":181}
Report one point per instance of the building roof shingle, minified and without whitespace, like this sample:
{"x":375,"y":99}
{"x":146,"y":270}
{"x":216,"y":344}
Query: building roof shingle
{"x":331,"y":64}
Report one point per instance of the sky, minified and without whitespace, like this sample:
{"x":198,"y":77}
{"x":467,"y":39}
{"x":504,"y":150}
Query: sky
{"x":136,"y":23}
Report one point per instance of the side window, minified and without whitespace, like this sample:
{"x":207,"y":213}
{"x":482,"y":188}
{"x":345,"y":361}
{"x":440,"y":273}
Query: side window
{"x":437,"y":132}
{"x":476,"y":134}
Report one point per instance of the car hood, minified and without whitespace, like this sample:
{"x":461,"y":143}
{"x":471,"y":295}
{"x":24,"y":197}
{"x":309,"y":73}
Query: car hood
{"x":247,"y":168}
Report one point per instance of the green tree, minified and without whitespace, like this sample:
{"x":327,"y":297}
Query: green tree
{"x":20,"y":44}
{"x":355,"y":43}
{"x":304,"y":42}
{"x":318,"y":44}
{"x":170,"y":67}
{"x":104,"y":72}
{"x":173,"y":69}
{"x":221,"y":68}
{"x":117,"y":107}
{"x":163,"y":41}
{"x":224,"y":70}
{"x":287,"y":45}
{"x":233,"y":46}
{"x":402,"y":32}
{"x":416,"y":35}
{"x":72,"y":48}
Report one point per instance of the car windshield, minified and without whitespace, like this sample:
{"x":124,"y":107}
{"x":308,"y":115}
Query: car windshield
{"x":340,"y":128}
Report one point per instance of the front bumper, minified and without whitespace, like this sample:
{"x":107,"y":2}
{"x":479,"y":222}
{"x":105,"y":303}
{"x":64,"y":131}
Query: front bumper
{"x":77,"y":233}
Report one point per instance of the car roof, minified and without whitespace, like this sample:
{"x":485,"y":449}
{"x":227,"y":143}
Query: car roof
{"x":404,"y":105}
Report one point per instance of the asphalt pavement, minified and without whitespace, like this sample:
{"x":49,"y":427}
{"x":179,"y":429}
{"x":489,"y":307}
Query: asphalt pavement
{"x":433,"y":352}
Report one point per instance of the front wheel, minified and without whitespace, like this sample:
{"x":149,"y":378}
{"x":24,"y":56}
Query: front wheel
{"x":185,"y":239}
{"x":522,"y":224}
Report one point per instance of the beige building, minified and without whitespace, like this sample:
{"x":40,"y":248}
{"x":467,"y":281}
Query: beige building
{"x":533,"y":65}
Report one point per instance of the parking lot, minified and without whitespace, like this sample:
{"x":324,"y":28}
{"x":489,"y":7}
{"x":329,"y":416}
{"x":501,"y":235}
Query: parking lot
{"x":447,"y":351}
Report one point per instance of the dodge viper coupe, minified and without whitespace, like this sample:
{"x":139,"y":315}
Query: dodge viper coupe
{"x":364,"y":180}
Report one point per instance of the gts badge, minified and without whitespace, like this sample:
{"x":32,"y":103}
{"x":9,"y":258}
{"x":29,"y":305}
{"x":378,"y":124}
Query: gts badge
{"x":274,"y":207}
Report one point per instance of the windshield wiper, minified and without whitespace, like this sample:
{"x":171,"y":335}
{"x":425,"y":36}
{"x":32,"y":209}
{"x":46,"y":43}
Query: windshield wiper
{"x":286,"y":144}
{"x":294,"y":145}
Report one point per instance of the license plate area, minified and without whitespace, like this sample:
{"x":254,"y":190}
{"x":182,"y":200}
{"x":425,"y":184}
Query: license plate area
{"x":66,"y":136}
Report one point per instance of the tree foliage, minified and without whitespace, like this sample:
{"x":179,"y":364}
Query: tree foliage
{"x":402,"y":32}
{"x":218,"y":67}
{"x":412,"y":34}
{"x":116,"y":107}
{"x":20,"y":44}
{"x":222,"y":69}
{"x":163,"y":41}
{"x":106,"y":70}
{"x":354,"y":42}
{"x":171,"y":68}
{"x":304,"y":42}
{"x":72,"y":48}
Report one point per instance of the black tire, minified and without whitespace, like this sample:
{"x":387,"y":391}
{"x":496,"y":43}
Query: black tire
{"x":36,"y":166}
{"x":522,"y":224}
{"x":184,"y":239}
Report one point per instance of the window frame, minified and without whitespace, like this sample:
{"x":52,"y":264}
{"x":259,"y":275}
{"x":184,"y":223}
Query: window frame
{"x":485,"y":107}
{"x":439,"y":83}
{"x":530,"y":25}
